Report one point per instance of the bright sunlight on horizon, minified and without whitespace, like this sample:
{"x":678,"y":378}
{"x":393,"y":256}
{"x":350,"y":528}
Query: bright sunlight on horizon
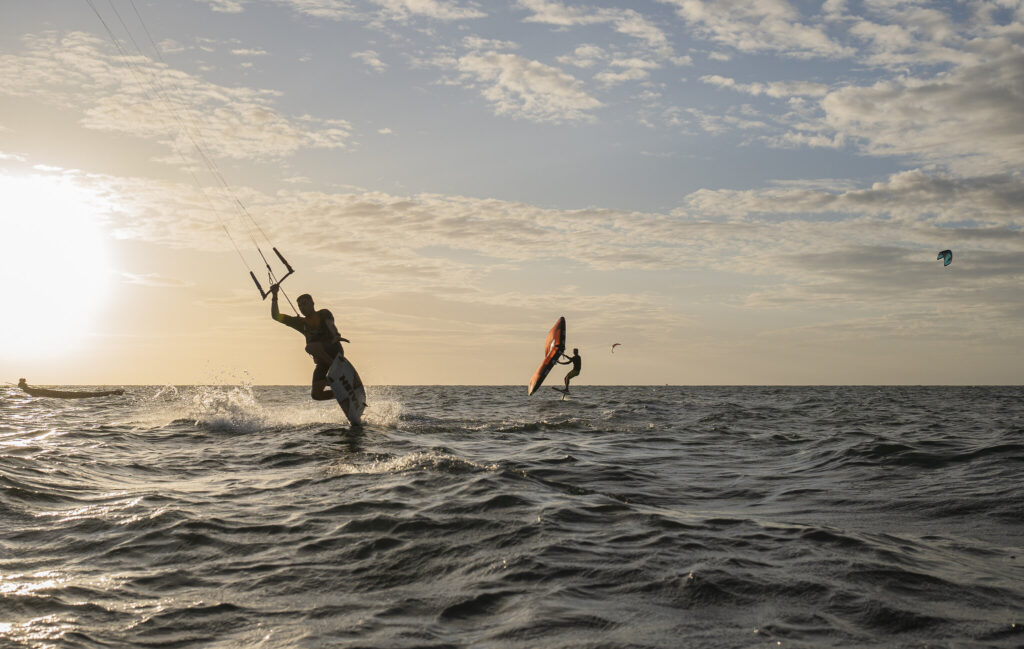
{"x":57,"y":265}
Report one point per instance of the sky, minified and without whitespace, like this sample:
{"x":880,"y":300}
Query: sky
{"x":737,"y":191}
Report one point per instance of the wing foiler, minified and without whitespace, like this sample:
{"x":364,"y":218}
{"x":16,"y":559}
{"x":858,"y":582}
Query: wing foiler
{"x":554,"y":347}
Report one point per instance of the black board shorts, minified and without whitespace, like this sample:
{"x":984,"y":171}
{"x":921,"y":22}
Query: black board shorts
{"x":320,"y":371}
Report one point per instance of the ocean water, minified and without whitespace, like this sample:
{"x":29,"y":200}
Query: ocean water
{"x":479,"y":517}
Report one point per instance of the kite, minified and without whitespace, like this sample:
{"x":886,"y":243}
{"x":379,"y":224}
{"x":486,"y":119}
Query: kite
{"x":614,"y":346}
{"x":946,"y":256}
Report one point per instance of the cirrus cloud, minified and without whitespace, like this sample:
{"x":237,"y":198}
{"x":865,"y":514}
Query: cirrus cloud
{"x":134,"y":94}
{"x":526,"y":89}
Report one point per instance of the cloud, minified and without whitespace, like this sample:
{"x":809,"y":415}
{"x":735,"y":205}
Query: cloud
{"x":968,"y":118}
{"x":433,"y":9}
{"x":900,"y":293}
{"x":584,"y":56}
{"x":138,"y":96}
{"x":170,"y":46}
{"x":155,"y":280}
{"x":526,"y":89}
{"x":873,"y":249}
{"x":650,"y":47}
{"x":718,"y":123}
{"x":330,"y":9}
{"x":948,"y":89}
{"x":755,"y":26}
{"x":775,"y":89}
{"x":626,"y":69}
{"x":225,"y":6}
{"x":393,"y":233}
{"x":249,"y":52}
{"x":615,"y":77}
{"x":557,"y":13}
{"x":729,"y":229}
{"x":478,"y":43}
{"x":913,"y":35}
{"x":861,"y":259}
{"x":398,"y":10}
{"x":370,"y":58}
{"x":624,"y":21}
{"x":855,"y":263}
{"x":912,"y":196}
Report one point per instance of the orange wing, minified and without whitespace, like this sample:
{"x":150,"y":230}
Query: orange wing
{"x":554,"y":347}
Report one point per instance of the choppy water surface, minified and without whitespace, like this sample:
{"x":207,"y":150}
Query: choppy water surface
{"x":478,"y":517}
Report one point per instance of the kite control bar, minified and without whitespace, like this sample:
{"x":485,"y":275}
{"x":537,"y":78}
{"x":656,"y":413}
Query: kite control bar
{"x":270,"y":276}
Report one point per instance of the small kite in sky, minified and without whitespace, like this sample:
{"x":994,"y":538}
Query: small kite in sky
{"x":946,"y":256}
{"x":614,"y":346}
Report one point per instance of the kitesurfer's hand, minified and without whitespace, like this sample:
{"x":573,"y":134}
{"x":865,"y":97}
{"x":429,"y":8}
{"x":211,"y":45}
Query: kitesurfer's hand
{"x":274,"y":288}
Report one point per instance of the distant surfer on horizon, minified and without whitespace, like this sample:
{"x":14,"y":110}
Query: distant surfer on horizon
{"x":323,"y":342}
{"x":577,"y":363}
{"x":66,"y":394}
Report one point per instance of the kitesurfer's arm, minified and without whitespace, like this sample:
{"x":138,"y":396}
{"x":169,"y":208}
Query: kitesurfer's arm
{"x":332,"y":329}
{"x":565,"y":362}
{"x":291,"y":321}
{"x":275,"y":313}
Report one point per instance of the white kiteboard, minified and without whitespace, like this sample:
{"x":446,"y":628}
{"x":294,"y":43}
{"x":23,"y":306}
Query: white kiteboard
{"x":348,"y":389}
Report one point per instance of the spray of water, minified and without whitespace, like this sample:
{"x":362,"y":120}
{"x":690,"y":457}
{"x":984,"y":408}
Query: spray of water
{"x":237,"y":407}
{"x":384,"y":407}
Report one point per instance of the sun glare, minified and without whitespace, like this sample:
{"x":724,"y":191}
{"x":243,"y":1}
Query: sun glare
{"x":55,"y":258}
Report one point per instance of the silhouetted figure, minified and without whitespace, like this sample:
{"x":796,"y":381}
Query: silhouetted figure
{"x":577,"y":363}
{"x":323,"y":342}
{"x":65,"y":394}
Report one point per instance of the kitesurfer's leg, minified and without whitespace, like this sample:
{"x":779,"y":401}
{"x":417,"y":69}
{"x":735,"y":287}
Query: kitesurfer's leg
{"x":572,"y":374}
{"x":319,"y":390}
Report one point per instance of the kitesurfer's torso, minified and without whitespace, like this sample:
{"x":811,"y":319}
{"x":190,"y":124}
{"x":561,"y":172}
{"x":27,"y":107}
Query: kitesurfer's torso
{"x":577,"y":362}
{"x":316,"y":328}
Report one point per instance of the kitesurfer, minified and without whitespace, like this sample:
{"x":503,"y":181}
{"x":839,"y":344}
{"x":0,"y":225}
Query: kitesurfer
{"x":323,"y":342}
{"x":577,"y":363}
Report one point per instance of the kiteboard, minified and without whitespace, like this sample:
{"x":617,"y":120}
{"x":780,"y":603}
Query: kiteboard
{"x":348,"y":389}
{"x":554,"y":347}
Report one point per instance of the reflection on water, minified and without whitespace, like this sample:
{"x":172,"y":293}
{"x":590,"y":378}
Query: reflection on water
{"x":244,"y":516}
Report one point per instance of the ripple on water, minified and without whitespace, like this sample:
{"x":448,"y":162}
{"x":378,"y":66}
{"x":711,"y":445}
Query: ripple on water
{"x":228,"y":516}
